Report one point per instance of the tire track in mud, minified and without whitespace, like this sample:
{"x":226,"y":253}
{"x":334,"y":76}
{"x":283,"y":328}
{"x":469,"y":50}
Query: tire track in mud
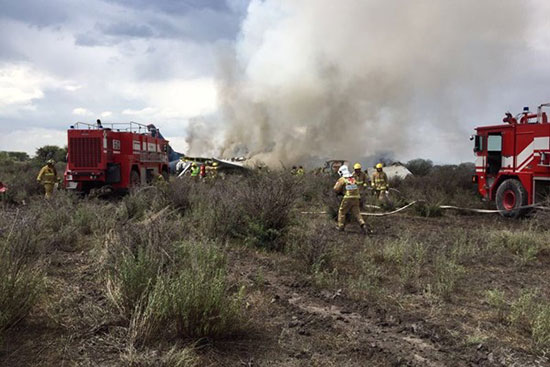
{"x":400,"y":347}
{"x":367,"y":338}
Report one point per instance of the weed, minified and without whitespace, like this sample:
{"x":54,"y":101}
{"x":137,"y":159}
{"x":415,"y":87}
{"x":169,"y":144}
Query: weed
{"x":524,"y":245}
{"x":531,"y":315}
{"x":446,"y":276}
{"x":495,"y":299}
{"x":524,"y":309}
{"x":540,"y":328}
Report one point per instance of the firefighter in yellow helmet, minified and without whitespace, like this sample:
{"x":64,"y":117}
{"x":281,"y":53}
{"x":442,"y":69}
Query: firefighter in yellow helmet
{"x":347,"y":186}
{"x":380,"y":184}
{"x":160,"y":180}
{"x":300,"y":171}
{"x":211,"y":171}
{"x":361,"y":179}
{"x":214,"y":171}
{"x":47,"y":177}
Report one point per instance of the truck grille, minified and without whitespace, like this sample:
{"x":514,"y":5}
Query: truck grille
{"x":85,"y":152}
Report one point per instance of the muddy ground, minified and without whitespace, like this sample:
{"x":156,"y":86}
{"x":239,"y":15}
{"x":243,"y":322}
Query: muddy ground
{"x":293,"y":320}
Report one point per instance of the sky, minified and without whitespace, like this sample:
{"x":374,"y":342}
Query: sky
{"x":273,"y":75}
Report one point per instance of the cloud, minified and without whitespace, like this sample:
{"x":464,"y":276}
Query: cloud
{"x":37,"y":13}
{"x":20,"y":85}
{"x":147,"y":111}
{"x":28,"y":140}
{"x":80,"y":111}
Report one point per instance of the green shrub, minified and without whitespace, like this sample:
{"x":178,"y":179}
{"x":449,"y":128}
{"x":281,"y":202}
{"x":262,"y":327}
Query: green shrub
{"x":163,"y":285}
{"x":21,"y":279}
{"x":195,"y":299}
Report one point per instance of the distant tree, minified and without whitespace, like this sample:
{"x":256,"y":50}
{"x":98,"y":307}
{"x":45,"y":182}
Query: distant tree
{"x":19,"y":156}
{"x":16,"y":156}
{"x":51,"y":152}
{"x":420,"y":167}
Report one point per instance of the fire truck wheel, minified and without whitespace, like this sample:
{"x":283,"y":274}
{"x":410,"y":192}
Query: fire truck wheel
{"x":135,"y":180}
{"x":511,"y":195}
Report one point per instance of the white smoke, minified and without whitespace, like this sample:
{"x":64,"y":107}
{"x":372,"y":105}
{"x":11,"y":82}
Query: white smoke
{"x":352,"y":78}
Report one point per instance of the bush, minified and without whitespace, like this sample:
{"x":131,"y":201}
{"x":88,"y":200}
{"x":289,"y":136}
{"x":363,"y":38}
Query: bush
{"x":267,"y":209}
{"x":419,"y":167}
{"x":195,"y":299}
{"x":162,"y":285}
{"x":21,"y":279}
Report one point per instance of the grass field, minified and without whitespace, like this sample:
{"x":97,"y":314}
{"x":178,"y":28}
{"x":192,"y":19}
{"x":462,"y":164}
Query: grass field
{"x":233,"y":273}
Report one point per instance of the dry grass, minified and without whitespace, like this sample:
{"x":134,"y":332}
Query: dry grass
{"x":164,"y":280}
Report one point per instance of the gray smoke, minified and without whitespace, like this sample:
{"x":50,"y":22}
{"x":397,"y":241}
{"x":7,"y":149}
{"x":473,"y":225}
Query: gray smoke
{"x":351,"y":78}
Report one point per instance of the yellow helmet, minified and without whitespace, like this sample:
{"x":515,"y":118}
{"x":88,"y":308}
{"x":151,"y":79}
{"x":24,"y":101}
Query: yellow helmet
{"x":50,"y":161}
{"x":379,"y":165}
{"x":357,"y":166}
{"x":215,"y":164}
{"x":194,"y":164}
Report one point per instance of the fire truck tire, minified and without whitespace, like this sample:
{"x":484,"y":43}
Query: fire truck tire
{"x":135,"y":180}
{"x":511,"y":195}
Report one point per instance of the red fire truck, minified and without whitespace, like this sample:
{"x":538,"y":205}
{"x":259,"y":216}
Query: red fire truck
{"x":114,"y":156}
{"x":513,"y":161}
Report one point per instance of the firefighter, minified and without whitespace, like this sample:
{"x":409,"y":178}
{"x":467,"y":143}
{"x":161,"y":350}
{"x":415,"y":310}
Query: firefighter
{"x":300,"y":171}
{"x":293,"y":171}
{"x":160,"y":181}
{"x":347,"y":186}
{"x":362,"y":182}
{"x":380,"y":184}
{"x":202,"y":171}
{"x":47,"y":177}
{"x":195,"y":171}
{"x":214,"y":171}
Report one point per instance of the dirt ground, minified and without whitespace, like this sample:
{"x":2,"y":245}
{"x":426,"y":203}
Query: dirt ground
{"x":294,"y":322}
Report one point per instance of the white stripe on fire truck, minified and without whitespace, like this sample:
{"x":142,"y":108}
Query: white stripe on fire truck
{"x":524,"y":155}
{"x":527,"y":161}
{"x":540,"y":143}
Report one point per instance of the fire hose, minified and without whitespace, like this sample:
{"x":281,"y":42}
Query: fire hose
{"x":445,"y":207}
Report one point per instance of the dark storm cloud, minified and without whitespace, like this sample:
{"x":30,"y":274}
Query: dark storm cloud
{"x":36,"y":13}
{"x":196,"y":21}
{"x":127,"y":29}
{"x":175,"y":6}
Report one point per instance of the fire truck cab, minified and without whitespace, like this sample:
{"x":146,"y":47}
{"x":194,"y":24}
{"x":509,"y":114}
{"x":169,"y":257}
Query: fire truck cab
{"x":513,"y":161}
{"x":115,"y":156}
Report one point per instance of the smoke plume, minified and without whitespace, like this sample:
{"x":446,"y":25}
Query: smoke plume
{"x":349,"y":78}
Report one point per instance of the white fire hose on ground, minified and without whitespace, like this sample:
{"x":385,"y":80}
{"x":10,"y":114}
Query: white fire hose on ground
{"x":445,"y":207}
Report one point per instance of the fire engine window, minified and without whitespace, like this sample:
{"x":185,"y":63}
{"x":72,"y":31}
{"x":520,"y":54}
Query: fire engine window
{"x":478,"y":143}
{"x":494,"y":143}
